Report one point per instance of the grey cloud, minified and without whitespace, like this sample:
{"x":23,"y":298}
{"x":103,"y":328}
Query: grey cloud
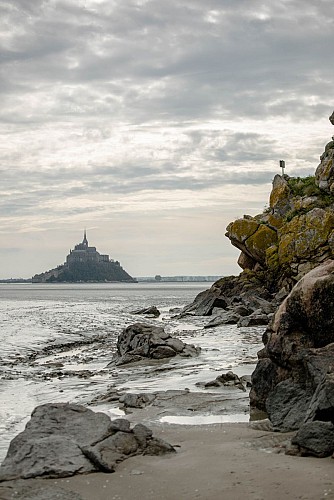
{"x":119,"y":62}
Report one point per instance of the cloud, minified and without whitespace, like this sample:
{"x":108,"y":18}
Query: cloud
{"x":114,"y":107}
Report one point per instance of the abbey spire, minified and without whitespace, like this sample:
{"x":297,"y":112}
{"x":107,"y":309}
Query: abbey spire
{"x":85,"y":241}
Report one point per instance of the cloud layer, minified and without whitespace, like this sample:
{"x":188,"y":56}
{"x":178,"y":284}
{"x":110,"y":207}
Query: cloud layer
{"x":136,"y":110}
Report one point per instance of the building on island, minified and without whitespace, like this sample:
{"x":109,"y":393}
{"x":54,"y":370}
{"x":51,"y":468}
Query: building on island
{"x":85,"y":264}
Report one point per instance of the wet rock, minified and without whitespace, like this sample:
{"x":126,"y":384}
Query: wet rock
{"x":157,"y":446}
{"x":142,"y":434}
{"x":141,"y":341}
{"x":225,"y":318}
{"x":149,"y":311}
{"x":232,"y":297}
{"x":163,"y":351}
{"x":253,"y":320}
{"x":106,"y":454}
{"x":130,"y":400}
{"x":315,"y":438}
{"x":286,"y":405}
{"x":228,"y":379}
{"x":52,"y":456}
{"x":205,"y":302}
{"x":64,"y":439}
{"x":294,"y":378}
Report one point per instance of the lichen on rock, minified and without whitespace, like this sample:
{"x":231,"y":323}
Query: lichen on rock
{"x":296,"y":232}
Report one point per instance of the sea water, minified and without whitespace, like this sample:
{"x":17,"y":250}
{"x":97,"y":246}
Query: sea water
{"x":57,"y":340}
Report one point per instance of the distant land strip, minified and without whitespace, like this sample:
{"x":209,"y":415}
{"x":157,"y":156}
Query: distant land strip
{"x":141,"y":279}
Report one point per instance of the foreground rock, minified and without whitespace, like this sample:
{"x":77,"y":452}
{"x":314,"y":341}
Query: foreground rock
{"x":64,"y":439}
{"x":141,"y":341}
{"x":294,"y":378}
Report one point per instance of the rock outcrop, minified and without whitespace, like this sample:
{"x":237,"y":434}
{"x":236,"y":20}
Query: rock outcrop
{"x":140,"y":341}
{"x":64,"y":439}
{"x":294,"y":235}
{"x":296,"y":232}
{"x":294,"y":378}
{"x":243,"y":300}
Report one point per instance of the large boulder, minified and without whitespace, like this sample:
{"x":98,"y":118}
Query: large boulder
{"x":64,"y":439}
{"x":252,"y":238}
{"x":140,"y":341}
{"x":293,"y":380}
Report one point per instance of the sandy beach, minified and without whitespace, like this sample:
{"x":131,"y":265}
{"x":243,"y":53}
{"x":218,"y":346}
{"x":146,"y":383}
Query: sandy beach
{"x":220,"y":461}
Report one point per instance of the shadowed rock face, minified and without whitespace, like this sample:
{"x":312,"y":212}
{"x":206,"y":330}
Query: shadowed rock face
{"x":141,"y":341}
{"x":294,"y":377}
{"x":64,"y":439}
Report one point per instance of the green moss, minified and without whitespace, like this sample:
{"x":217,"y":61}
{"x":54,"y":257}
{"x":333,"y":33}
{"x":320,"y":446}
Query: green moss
{"x":304,"y":234}
{"x":260,"y":241}
{"x":304,"y":186}
{"x":241,"y":229}
{"x":280,"y":194}
{"x":272,"y":260}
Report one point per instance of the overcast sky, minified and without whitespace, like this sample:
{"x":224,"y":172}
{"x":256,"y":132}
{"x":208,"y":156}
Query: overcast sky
{"x":153,"y":124}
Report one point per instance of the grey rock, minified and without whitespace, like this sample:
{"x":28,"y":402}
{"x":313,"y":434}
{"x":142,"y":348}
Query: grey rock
{"x":73,"y":421}
{"x":299,"y":351}
{"x":228,"y":379}
{"x":62,"y":440}
{"x":315,"y":438}
{"x":149,"y":311}
{"x":253,"y":320}
{"x":287,"y":404}
{"x":51,"y":456}
{"x":331,"y":118}
{"x":142,"y":434}
{"x":205,"y":302}
{"x":176,"y":344}
{"x":158,"y":446}
{"x":141,"y":400}
{"x":120,"y":424}
{"x":163,"y":351}
{"x":190,"y":351}
{"x":142,"y":342}
{"x":111,"y":451}
{"x":321,"y":406}
{"x":225,"y":318}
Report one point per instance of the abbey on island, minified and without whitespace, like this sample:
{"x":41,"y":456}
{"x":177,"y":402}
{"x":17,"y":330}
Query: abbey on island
{"x":85,"y":264}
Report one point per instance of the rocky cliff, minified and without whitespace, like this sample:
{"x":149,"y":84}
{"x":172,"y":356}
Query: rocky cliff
{"x":292,"y":236}
{"x":287,"y":257}
{"x":295,"y":233}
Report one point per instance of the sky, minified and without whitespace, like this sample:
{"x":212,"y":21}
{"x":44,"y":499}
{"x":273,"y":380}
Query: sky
{"x":153,"y":124}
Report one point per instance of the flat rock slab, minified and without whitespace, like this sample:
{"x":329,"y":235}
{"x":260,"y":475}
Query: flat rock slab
{"x":152,"y":406}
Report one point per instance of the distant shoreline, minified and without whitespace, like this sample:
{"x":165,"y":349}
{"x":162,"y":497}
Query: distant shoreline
{"x":144,"y":279}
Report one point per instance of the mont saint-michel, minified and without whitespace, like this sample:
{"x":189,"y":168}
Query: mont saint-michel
{"x":84,"y":264}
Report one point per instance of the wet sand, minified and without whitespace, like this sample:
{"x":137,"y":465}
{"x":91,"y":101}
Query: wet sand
{"x":220,"y":461}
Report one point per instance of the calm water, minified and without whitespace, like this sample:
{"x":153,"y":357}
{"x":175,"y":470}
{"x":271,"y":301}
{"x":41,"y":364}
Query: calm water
{"x":57,"y":339}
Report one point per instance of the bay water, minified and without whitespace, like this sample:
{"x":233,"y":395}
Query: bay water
{"x":57,"y":340}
